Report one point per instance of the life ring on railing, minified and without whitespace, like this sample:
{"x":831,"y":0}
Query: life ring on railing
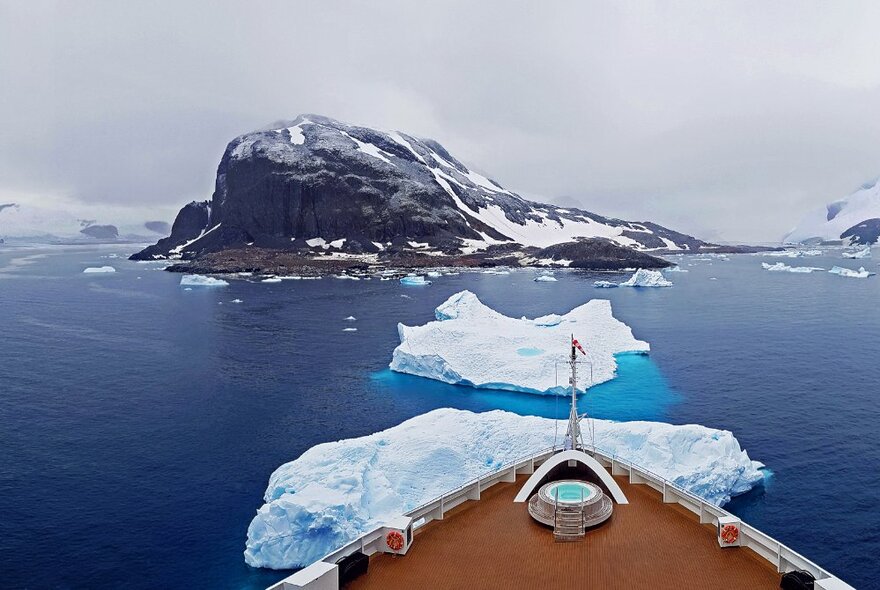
{"x":394,"y":540}
{"x":729,"y":534}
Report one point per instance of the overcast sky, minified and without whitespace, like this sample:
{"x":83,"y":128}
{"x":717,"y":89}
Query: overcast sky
{"x":725,"y":121}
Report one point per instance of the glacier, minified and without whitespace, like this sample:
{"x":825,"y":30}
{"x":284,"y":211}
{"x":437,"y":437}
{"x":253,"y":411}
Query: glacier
{"x":336,"y":491}
{"x":201,"y":281}
{"x":472,"y":344}
{"x":647,"y":278}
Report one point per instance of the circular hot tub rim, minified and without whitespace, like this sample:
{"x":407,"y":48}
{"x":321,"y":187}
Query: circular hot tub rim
{"x":596,"y":492}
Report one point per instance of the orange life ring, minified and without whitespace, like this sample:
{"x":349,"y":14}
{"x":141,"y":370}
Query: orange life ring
{"x":394,"y":540}
{"x":729,"y":534}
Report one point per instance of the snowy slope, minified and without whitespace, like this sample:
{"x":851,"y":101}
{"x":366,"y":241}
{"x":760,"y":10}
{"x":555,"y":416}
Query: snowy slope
{"x":831,"y":222}
{"x":337,"y":491}
{"x":472,"y":344}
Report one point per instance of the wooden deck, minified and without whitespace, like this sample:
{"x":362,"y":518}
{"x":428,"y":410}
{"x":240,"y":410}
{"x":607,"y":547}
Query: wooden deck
{"x":494,"y":543}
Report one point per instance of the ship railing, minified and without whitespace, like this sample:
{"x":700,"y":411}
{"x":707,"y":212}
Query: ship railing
{"x":783,"y":557}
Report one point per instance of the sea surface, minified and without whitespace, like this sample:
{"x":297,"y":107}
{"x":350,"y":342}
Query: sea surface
{"x":139,"y":421}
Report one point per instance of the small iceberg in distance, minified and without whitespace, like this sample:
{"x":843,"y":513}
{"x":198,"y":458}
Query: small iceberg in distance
{"x":472,"y":344}
{"x":605,"y":285}
{"x":675,"y":268}
{"x":271,"y":280}
{"x":99,"y":270}
{"x":545,"y":279}
{"x":782,"y":267}
{"x":647,"y":278}
{"x":414,"y":281}
{"x":336,"y":491}
{"x":201,"y":281}
{"x":863,"y":253}
{"x":853,"y":274}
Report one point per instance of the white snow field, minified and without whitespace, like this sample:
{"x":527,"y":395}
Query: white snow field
{"x":99,"y":270}
{"x":829,"y":222}
{"x":647,"y":278}
{"x":782,"y":267}
{"x":472,"y":344}
{"x":201,"y":281}
{"x":853,"y":274}
{"x":336,"y":491}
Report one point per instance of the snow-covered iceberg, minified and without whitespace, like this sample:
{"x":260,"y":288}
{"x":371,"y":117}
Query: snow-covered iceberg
{"x":545,"y":279}
{"x":99,"y":270}
{"x":853,"y":274}
{"x":863,"y":253}
{"x":336,"y":491}
{"x":472,"y":344}
{"x":414,"y":281}
{"x":605,"y":284}
{"x":647,"y":278}
{"x":782,"y":267}
{"x":201,"y":281}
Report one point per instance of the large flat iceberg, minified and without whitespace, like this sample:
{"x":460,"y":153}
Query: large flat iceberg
{"x":336,"y":491}
{"x":472,"y":344}
{"x":782,"y":267}
{"x":853,"y":274}
{"x":201,"y":281}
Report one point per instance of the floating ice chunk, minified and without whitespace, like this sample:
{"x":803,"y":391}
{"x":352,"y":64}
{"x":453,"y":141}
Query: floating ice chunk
{"x":350,"y":318}
{"x":347,"y":277}
{"x":493,"y":271}
{"x":201,"y":281}
{"x":336,"y":491}
{"x":863,"y":253}
{"x":793,"y":253}
{"x":414,"y":280}
{"x":853,"y":274}
{"x":99,"y":270}
{"x":647,"y":278}
{"x":605,"y":285}
{"x":271,"y":280}
{"x":472,"y":344}
{"x":349,"y":329}
{"x":675,"y":268}
{"x":782,"y":267}
{"x":434,"y":274}
{"x":545,"y":279}
{"x":236,"y":301}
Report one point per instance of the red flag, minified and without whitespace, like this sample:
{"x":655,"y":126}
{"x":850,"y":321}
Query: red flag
{"x":577,"y":344}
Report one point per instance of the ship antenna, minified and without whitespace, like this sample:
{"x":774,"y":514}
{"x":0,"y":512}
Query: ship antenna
{"x":573,"y":436}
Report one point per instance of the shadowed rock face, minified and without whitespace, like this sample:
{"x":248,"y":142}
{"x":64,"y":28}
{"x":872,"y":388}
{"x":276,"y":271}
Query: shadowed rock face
{"x":317,"y":179}
{"x":864,"y":233}
{"x":102,"y":232}
{"x":159,"y":227}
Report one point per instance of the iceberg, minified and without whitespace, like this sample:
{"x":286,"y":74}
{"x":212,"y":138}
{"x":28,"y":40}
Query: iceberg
{"x":863,"y":253}
{"x":853,"y":274}
{"x":605,"y":285}
{"x":545,"y":279}
{"x":793,"y":253}
{"x":414,"y":280}
{"x":472,"y":344}
{"x":99,"y":270}
{"x":782,"y":267}
{"x":271,"y":280}
{"x":349,"y":329}
{"x":434,"y":274}
{"x":336,"y":491}
{"x":647,"y":278}
{"x":675,"y":268}
{"x":201,"y":281}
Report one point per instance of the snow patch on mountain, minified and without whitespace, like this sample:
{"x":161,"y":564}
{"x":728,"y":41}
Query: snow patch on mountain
{"x":829,"y":223}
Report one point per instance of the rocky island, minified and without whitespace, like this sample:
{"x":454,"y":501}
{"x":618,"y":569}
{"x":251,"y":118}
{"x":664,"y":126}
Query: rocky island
{"x":315,"y":195}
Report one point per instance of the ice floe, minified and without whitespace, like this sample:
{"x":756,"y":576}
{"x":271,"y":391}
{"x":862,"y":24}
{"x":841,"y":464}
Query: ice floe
{"x":99,"y":270}
{"x":675,"y":268}
{"x":472,"y":344}
{"x":647,"y":278}
{"x":336,"y":491}
{"x":201,"y":281}
{"x":782,"y":267}
{"x":414,"y":280}
{"x":793,"y":253}
{"x":545,"y":279}
{"x":272,"y":280}
{"x":853,"y":274}
{"x":863,"y":253}
{"x":349,"y":329}
{"x":605,"y":285}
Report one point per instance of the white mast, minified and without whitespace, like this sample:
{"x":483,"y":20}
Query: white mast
{"x":573,"y":438}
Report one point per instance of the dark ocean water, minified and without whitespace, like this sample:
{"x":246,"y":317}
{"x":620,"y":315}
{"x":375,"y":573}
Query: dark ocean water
{"x":139,"y":422}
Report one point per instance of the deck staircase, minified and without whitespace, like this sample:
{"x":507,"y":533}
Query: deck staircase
{"x":568,"y":524}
